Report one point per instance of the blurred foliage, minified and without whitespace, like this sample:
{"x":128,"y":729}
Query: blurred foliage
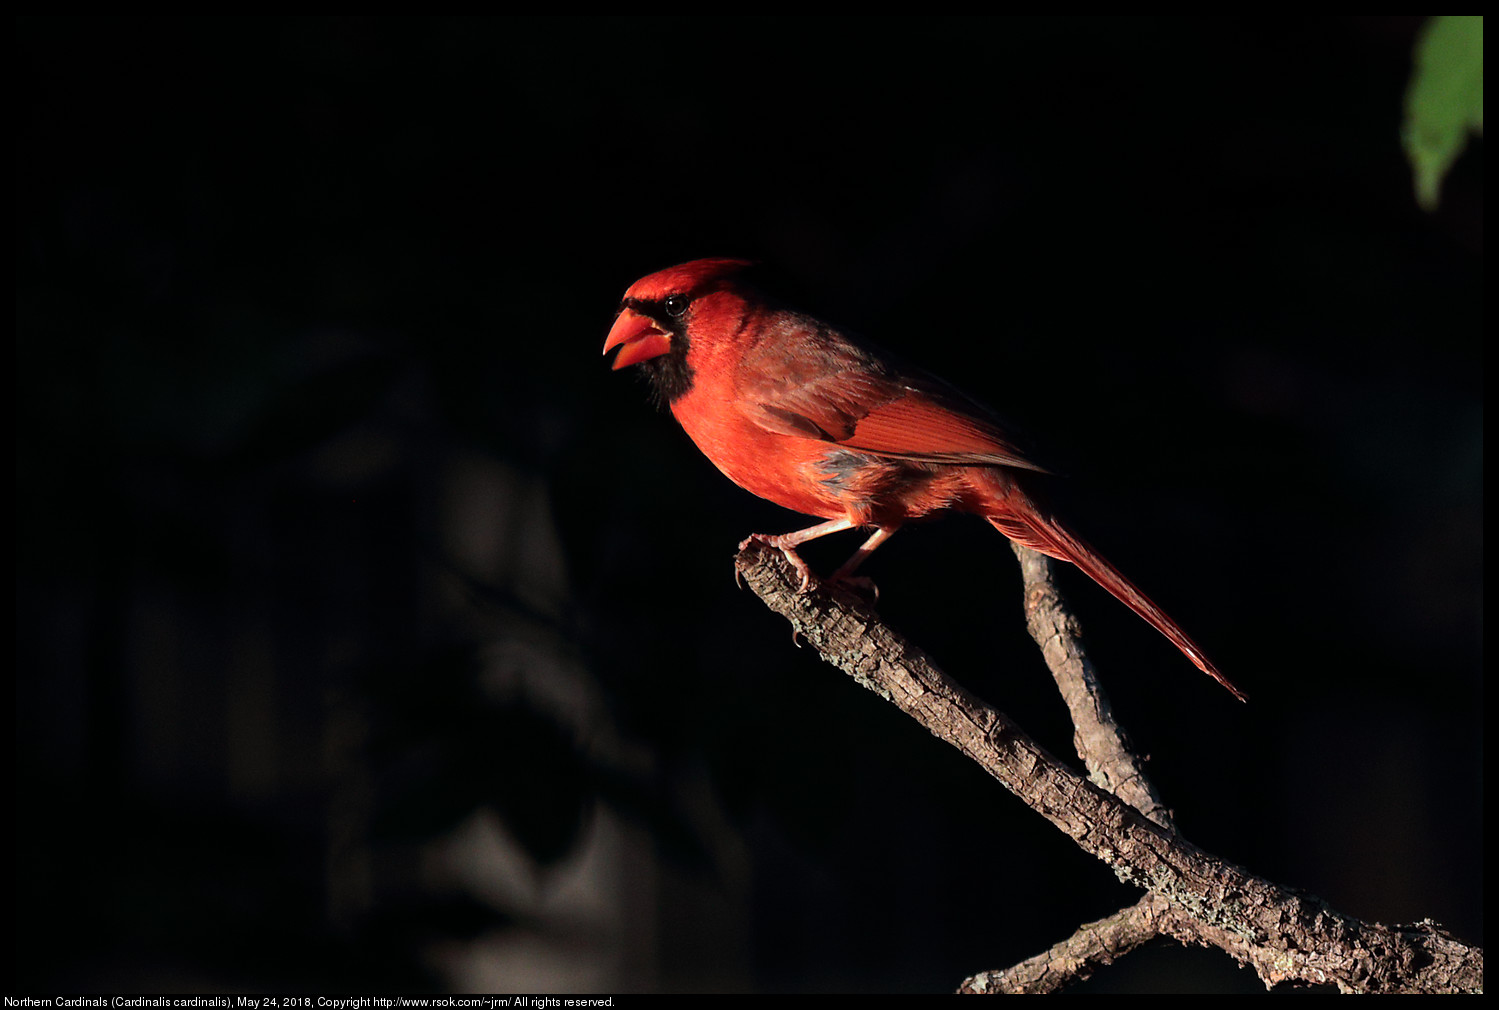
{"x":1444,"y":101}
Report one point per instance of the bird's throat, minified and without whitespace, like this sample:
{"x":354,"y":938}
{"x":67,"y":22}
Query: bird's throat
{"x":669,"y":375}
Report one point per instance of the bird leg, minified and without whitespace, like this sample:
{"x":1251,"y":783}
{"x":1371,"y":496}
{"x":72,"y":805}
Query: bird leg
{"x":787,"y":543}
{"x":845,"y":573}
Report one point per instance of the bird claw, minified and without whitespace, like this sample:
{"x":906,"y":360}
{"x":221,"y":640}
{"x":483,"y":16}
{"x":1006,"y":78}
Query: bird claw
{"x":856,"y":584}
{"x":788,"y":551}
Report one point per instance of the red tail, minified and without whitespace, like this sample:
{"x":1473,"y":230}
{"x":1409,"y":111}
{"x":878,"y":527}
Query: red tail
{"x":1024,"y":523}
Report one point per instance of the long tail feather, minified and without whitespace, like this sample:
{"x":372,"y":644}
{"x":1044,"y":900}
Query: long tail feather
{"x":1041,"y":532}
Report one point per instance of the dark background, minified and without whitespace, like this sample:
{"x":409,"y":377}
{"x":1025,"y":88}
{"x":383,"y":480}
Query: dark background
{"x":373,"y":634}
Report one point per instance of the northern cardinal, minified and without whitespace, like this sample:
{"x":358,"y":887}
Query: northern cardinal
{"x":811,"y":419}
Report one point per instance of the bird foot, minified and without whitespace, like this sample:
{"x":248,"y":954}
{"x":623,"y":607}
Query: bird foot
{"x":856,"y":584}
{"x":787,"y":547}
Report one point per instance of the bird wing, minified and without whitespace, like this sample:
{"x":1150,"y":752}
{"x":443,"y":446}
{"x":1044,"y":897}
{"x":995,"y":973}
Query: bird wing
{"x":838,"y":391}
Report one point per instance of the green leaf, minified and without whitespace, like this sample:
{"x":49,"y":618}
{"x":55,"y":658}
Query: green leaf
{"x":1444,"y":100}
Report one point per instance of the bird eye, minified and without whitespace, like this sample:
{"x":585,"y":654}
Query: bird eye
{"x":675,"y":305}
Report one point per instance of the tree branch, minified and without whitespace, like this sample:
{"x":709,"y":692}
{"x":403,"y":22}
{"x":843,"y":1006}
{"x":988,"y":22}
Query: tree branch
{"x":1078,"y":956}
{"x":1285,"y":934}
{"x":1100,"y":741}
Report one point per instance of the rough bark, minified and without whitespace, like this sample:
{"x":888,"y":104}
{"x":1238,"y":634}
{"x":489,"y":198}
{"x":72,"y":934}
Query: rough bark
{"x":1283,"y":933}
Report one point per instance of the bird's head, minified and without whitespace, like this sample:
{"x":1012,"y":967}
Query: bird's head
{"x":658,"y":311}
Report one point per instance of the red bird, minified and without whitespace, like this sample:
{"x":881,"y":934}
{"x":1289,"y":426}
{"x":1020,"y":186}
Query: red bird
{"x":809,"y":418}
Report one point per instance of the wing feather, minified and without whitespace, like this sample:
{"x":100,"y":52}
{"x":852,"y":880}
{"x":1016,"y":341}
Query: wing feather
{"x":838,"y":391}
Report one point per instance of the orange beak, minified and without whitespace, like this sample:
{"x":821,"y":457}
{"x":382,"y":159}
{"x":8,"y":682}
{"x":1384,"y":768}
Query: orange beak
{"x":640,"y":336}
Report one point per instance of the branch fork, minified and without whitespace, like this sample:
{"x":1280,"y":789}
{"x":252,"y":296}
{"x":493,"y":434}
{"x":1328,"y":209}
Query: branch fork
{"x":1114,"y":814}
